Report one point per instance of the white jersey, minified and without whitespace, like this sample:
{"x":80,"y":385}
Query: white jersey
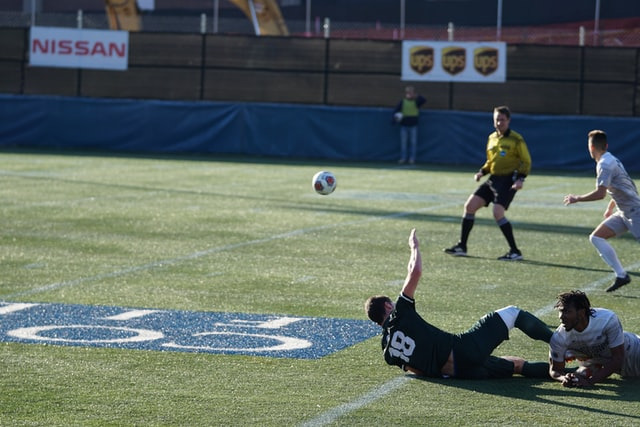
{"x":611,"y":173}
{"x":594,"y":344}
{"x":631,"y":366}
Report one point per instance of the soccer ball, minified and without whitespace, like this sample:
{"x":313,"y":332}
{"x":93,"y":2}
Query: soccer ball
{"x":588,"y":370}
{"x":324,"y":182}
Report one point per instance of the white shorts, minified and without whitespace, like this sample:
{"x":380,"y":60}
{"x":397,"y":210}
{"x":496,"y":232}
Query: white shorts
{"x":620,"y":223}
{"x":631,"y":365}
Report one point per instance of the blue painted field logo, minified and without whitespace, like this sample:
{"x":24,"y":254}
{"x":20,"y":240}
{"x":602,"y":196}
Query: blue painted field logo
{"x":186,"y":331}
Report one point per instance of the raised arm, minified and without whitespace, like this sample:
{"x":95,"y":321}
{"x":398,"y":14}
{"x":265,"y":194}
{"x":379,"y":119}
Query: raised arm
{"x":414,"y":269}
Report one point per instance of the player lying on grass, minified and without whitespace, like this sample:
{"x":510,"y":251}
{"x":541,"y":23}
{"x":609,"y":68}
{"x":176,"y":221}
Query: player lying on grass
{"x":417,"y":346}
{"x":594,"y":337}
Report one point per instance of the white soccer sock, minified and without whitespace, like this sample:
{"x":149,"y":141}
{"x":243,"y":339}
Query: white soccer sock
{"x":509,"y":315}
{"x":608,"y":254}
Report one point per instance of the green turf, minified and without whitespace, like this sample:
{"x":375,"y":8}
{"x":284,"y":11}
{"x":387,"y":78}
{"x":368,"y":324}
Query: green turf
{"x":250,"y":235}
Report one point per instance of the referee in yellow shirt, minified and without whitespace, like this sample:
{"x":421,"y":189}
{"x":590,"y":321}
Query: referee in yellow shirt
{"x":508,"y":164}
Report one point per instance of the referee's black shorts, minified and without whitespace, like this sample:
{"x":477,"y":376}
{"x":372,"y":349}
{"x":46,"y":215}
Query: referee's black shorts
{"x":497,"y":190}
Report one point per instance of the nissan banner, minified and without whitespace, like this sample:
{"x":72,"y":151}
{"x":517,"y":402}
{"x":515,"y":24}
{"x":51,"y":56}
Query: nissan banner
{"x":79,"y":48}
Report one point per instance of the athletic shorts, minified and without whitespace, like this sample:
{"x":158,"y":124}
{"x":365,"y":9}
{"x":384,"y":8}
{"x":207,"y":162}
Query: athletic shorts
{"x":620,"y":223}
{"x":472,"y":350}
{"x":631,"y":366}
{"x":497,"y":190}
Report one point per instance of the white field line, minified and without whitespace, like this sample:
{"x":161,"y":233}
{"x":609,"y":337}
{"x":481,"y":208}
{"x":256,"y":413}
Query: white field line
{"x":588,"y":287}
{"x":339,"y":411}
{"x":364,"y":400}
{"x":378,"y":393}
{"x":206,"y":252}
{"x":12,"y":308}
{"x":210,"y":251}
{"x":132,"y":314}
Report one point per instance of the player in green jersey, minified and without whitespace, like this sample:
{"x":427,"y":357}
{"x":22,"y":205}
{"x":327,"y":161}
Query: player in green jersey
{"x":410,"y":342}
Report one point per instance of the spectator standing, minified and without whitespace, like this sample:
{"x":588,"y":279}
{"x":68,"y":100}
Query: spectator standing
{"x":406,"y":114}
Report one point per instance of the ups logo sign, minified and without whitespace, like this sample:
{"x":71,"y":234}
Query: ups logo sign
{"x":454,"y":60}
{"x":421,"y":59}
{"x":485,"y":60}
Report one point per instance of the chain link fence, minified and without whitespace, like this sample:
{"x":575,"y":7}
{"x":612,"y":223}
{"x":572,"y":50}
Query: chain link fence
{"x":613,"y":32}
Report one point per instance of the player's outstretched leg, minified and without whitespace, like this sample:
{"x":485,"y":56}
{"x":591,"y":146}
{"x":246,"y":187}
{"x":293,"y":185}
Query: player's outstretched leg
{"x":528,"y":369}
{"x":533,"y":327}
{"x":535,"y":369}
{"x":526,"y":322}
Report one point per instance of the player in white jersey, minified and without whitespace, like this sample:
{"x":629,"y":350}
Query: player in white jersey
{"x":613,"y":179}
{"x":594,"y":337}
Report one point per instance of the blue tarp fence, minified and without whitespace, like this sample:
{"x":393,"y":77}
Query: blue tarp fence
{"x":296,"y":131}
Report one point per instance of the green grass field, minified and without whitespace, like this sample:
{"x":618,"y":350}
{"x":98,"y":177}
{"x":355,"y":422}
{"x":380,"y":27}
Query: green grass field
{"x":249,"y":235}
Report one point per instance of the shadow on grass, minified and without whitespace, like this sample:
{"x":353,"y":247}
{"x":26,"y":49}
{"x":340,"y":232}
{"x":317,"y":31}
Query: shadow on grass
{"x":451,"y":219}
{"x":546,"y":264}
{"x":556,"y":229}
{"x":313,"y":207}
{"x":232,"y":158}
{"x":284,"y":160}
{"x":528,"y":390}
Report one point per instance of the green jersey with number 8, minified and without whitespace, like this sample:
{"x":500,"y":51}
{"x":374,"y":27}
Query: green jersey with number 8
{"x":408,"y":340}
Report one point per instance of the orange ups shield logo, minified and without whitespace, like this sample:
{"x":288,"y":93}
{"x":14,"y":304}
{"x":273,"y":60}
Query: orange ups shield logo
{"x":421,"y":59}
{"x":485,"y":60}
{"x":454,"y":59}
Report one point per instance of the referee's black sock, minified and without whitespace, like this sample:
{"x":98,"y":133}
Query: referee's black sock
{"x":507,"y":232}
{"x":467,"y":224}
{"x":533,"y":327}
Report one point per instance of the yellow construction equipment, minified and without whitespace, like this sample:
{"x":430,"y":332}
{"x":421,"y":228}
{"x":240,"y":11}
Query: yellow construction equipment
{"x":123,"y":15}
{"x":265,"y":15}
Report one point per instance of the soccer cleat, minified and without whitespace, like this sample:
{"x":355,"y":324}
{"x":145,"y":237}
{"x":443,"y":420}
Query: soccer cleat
{"x":511,"y":256}
{"x":456,"y":250}
{"x":620,"y":282}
